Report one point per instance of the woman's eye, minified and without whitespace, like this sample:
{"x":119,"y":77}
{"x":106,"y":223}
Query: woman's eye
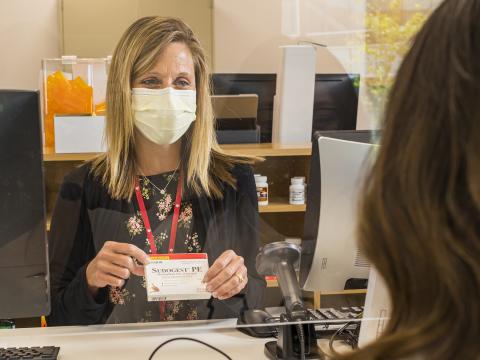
{"x":182,"y":83}
{"x":150,"y":82}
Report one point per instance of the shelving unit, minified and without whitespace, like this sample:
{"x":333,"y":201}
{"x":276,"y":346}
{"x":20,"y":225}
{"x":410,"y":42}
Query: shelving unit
{"x":261,"y":150}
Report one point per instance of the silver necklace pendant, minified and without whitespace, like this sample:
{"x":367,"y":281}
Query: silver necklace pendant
{"x":170,"y":178}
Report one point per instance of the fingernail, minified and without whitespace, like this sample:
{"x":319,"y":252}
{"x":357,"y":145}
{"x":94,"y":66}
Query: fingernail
{"x":209,"y":288}
{"x":214,"y":294}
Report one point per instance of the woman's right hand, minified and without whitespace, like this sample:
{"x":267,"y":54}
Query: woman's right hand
{"x":114,"y":264}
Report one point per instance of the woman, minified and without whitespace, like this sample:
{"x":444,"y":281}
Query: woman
{"x":161,"y":152}
{"x":420,"y":217}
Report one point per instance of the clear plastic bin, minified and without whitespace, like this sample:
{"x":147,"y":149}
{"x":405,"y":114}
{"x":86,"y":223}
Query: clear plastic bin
{"x":72,"y":86}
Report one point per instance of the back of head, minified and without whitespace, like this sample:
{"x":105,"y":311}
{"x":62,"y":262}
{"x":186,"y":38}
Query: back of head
{"x":420,"y":217}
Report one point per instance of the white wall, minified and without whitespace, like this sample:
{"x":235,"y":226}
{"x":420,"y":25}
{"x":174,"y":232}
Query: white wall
{"x":248,"y":33}
{"x":29,"y":31}
{"x":92,"y":28}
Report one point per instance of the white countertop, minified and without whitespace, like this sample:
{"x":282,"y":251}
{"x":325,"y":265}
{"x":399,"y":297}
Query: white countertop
{"x":137,"y":341}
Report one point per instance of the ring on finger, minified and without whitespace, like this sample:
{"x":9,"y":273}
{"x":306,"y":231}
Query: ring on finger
{"x":239,"y":277}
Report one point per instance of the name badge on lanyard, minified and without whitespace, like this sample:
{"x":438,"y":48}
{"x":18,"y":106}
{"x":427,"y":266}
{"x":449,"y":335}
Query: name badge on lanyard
{"x":172,"y":276}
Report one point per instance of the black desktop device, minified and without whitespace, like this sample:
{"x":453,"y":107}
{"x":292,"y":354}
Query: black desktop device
{"x":335,"y":100}
{"x":23,"y":243}
{"x":264,"y":85}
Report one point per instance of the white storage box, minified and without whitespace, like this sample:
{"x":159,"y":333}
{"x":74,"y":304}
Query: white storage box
{"x":75,"y":87}
{"x":79,"y":134}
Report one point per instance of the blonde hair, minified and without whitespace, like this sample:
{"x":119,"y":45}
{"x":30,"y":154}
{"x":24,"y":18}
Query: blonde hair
{"x":203,"y":162}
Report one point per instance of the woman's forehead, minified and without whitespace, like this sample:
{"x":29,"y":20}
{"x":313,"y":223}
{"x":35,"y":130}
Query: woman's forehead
{"x":176,"y":58}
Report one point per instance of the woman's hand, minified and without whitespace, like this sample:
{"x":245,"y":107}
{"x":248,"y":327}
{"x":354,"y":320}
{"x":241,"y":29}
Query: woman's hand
{"x":227,"y":276}
{"x":114,"y":264}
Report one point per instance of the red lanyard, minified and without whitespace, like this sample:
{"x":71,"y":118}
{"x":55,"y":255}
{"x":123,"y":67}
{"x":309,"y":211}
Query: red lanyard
{"x":146,"y":221}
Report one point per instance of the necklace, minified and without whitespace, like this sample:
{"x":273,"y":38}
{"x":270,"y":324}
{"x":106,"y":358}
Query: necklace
{"x":162,"y":191}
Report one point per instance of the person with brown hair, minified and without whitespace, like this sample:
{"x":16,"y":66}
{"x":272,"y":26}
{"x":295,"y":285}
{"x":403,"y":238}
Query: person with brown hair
{"x":420,"y":215}
{"x":162,"y":186}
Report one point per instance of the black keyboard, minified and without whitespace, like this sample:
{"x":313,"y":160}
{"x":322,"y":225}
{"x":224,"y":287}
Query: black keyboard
{"x":329,"y":320}
{"x":337,"y":314}
{"x":31,"y":353}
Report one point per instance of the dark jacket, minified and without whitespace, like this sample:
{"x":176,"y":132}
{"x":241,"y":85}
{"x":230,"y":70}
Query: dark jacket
{"x":85,"y":216}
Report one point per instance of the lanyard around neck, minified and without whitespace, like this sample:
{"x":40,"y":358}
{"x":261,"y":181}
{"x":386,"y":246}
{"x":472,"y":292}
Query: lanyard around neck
{"x":146,"y":221}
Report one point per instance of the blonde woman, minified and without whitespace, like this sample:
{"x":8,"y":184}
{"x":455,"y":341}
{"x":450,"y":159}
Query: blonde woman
{"x":161,"y":152}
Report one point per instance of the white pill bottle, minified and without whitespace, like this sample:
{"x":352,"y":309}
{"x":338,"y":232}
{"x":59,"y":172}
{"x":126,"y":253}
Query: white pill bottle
{"x":262,"y":190}
{"x":297,"y":191}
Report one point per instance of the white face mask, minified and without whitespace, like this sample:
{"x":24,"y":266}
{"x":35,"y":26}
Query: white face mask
{"x":163,"y":115}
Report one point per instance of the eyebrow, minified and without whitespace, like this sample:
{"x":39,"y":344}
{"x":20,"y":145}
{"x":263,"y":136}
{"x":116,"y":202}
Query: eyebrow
{"x":150,"y":73}
{"x":183,"y":74}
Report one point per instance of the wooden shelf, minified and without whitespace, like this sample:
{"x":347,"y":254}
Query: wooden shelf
{"x":261,"y":150}
{"x":49,"y":154}
{"x":280,"y":206}
{"x":273,"y":283}
{"x":268,"y":149}
{"x":344,"y":292}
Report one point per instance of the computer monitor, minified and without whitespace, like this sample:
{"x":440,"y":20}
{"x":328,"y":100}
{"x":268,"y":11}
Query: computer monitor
{"x":330,"y":255}
{"x":23,"y":243}
{"x":335,"y":100}
{"x":263,"y":85}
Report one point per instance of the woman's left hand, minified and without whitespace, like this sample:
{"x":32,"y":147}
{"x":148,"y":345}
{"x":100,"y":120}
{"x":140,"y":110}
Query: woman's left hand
{"x":227,"y":276}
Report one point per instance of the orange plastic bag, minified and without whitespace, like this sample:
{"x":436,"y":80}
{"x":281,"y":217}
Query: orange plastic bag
{"x":65,"y":97}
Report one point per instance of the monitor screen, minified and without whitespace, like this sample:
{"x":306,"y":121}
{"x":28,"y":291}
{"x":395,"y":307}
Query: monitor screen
{"x":335,"y":102}
{"x":23,"y":257}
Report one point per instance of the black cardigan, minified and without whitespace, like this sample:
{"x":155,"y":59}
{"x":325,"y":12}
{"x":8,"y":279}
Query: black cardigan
{"x":85,"y":216}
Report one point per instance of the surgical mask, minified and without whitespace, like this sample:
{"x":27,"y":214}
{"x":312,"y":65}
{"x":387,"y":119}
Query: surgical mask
{"x":163,"y":115}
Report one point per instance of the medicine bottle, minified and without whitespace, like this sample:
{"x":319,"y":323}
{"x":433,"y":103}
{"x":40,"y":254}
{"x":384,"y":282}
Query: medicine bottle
{"x":262,"y":190}
{"x":297,"y":191}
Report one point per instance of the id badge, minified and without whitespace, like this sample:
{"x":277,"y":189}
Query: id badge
{"x":176,"y":277}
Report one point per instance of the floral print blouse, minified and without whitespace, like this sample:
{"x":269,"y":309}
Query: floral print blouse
{"x":130,"y":302}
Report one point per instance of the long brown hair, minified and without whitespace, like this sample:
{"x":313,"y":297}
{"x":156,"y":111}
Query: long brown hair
{"x":420,"y":215}
{"x":203,"y":162}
